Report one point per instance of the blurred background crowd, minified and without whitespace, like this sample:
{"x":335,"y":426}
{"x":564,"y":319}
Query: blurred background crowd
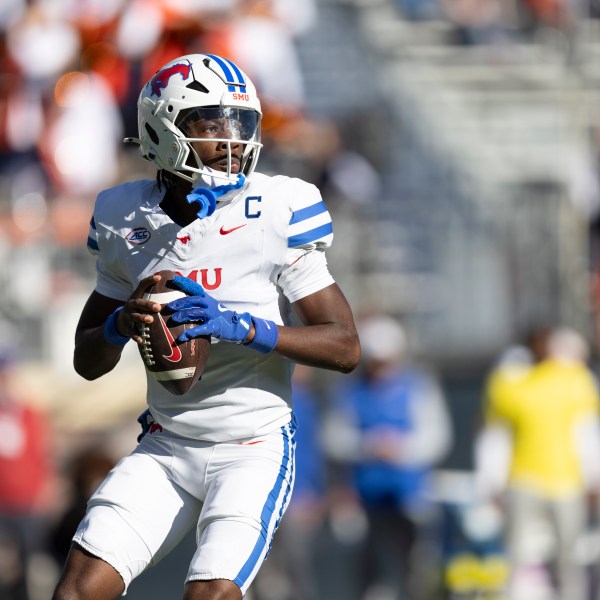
{"x":457,"y":146}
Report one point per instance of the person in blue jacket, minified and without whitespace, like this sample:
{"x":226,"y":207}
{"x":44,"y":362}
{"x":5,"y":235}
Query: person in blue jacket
{"x":389,"y":425}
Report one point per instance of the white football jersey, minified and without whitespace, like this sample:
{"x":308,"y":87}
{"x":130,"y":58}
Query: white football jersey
{"x":262,"y":249}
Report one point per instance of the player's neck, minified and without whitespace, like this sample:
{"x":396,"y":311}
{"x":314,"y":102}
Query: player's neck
{"x":175,"y":205}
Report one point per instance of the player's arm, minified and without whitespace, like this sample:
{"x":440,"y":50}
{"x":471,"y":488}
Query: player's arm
{"x":105,"y":326}
{"x":328,"y":338}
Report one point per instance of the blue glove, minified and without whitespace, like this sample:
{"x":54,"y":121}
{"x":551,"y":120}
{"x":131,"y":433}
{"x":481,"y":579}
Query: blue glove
{"x":217,"y":320}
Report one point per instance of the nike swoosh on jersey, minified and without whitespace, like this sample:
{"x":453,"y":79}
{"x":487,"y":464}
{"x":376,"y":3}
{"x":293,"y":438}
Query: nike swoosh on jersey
{"x":224,"y":231}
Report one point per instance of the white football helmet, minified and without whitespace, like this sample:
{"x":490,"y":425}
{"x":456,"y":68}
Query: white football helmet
{"x":193,"y":87}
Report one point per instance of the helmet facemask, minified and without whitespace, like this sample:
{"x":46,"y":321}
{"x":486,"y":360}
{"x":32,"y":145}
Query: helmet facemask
{"x":237,"y":130}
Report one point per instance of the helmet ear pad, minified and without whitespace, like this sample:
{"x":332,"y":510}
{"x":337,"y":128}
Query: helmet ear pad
{"x":162,"y":146}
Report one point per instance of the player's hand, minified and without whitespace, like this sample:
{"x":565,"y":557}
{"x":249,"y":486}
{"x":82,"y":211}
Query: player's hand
{"x":214,"y":318}
{"x":124,"y":323}
{"x":137,"y":311}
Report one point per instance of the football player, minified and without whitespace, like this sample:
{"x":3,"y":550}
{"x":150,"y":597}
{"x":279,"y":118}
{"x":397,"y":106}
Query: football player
{"x":250,"y":251}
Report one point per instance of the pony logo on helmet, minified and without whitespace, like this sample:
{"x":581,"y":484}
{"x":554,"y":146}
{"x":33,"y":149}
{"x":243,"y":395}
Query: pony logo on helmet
{"x":161,"y":80}
{"x":192,"y":89}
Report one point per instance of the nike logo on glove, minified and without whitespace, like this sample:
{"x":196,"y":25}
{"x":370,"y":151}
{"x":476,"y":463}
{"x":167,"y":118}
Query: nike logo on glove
{"x":224,"y":231}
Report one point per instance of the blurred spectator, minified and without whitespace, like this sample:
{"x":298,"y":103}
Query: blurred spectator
{"x":418,"y":10}
{"x":542,"y":422}
{"x":477,"y":22}
{"x":27,"y":482}
{"x":43,"y":44}
{"x":87,"y":112}
{"x":558,"y":15}
{"x":391,"y":424}
{"x":257,"y":37}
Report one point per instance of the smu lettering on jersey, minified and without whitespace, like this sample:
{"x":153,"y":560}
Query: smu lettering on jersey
{"x":262,"y":249}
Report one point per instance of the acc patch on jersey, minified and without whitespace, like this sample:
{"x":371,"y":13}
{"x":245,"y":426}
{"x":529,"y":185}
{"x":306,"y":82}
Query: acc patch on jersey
{"x":137,"y":236}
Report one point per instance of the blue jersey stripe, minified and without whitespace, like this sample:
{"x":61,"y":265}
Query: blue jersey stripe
{"x":310,"y":236}
{"x":267,"y":514}
{"x":93,"y":244}
{"x":308,"y":212}
{"x":226,"y":71}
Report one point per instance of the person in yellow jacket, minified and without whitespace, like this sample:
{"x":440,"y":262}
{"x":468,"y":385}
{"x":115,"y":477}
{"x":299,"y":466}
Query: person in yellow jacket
{"x":550,"y":410}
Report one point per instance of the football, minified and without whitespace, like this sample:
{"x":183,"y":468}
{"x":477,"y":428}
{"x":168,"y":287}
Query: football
{"x":176,"y":366}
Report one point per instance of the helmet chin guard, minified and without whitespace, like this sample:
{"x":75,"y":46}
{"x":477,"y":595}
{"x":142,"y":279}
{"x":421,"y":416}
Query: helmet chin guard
{"x":192,"y":89}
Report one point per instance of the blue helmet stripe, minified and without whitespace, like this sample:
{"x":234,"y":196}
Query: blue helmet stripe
{"x":239,"y":74}
{"x":310,"y":236}
{"x":229,"y":78}
{"x":308,"y":212}
{"x":92,"y":244}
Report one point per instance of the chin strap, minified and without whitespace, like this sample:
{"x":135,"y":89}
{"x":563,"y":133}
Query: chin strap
{"x":207,"y":198}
